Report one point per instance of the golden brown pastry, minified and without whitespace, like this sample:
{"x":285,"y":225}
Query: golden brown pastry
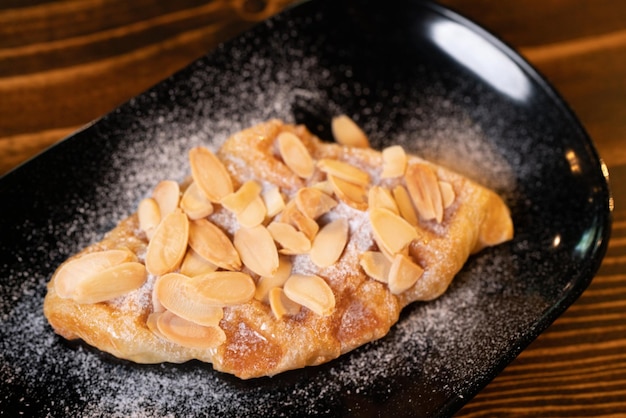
{"x":278,"y":252}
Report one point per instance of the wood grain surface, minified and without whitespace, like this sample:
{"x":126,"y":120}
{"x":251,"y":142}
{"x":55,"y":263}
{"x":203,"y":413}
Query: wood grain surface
{"x":65,"y":63}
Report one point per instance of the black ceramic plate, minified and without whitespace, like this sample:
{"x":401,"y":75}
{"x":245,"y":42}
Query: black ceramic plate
{"x":419,"y":75}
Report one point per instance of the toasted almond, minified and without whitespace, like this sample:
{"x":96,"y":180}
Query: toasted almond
{"x":295,"y":155}
{"x":394,"y":162}
{"x":257,"y":250}
{"x":347,"y":132}
{"x":324,"y":186}
{"x":352,"y":194}
{"x":211,"y":243}
{"x":405,"y":204}
{"x":329,"y":243}
{"x":237,"y":201}
{"x":168,"y":244}
{"x":265,"y":284}
{"x":312,"y":292}
{"x":313,"y":202}
{"x":167,"y":195}
{"x":149,"y":216}
{"x":209,"y":174}
{"x":177,"y":294}
{"x":392,"y":233}
{"x":110,"y":283}
{"x":274,"y":201}
{"x":151,"y":323}
{"x":403,"y":274}
{"x":281,"y":305}
{"x":194,"y":203}
{"x":344,"y":171}
{"x":423,"y":186}
{"x":194,"y":264}
{"x":380,"y":197}
{"x":188,"y":334}
{"x":253,"y":214}
{"x":156,"y":305}
{"x":293,"y":216}
{"x":376,"y":265}
{"x":223,"y":288}
{"x":289,"y":238}
{"x":447,"y":193}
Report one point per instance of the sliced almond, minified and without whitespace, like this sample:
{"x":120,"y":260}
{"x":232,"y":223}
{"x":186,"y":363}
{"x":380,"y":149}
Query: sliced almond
{"x":281,"y":305}
{"x":253,"y":214}
{"x":391,"y":232}
{"x":238,"y":201}
{"x":210,"y":174}
{"x":211,"y":243}
{"x":347,"y":132}
{"x":194,"y":203}
{"x":223,"y":288}
{"x":274,"y":201}
{"x":151,"y":323}
{"x":265,"y":284}
{"x":376,"y":265}
{"x":344,"y":171}
{"x":194,"y":264}
{"x":380,"y":197}
{"x":295,"y":155}
{"x":167,"y":195}
{"x":447,"y":193}
{"x":312,"y":292}
{"x":313,"y":202}
{"x":110,"y":283}
{"x":177,"y":294}
{"x":289,"y":238}
{"x":403,"y":274}
{"x":188,"y":334}
{"x":394,"y":162}
{"x":149,"y":216}
{"x":329,"y":243}
{"x":405,"y":204}
{"x":293,"y":216}
{"x":423,"y":186}
{"x":257,"y":250}
{"x":168,"y":244}
{"x":352,"y":194}
{"x":324,"y":186}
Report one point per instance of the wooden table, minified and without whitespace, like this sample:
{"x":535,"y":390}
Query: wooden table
{"x":65,"y":63}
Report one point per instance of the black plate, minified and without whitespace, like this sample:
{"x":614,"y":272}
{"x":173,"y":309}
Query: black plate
{"x":415,"y":74}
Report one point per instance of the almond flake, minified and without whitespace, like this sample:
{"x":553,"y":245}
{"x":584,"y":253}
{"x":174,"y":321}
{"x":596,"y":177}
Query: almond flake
{"x":238,"y":201}
{"x":149,"y":216}
{"x":223,"y":288}
{"x":329,"y":243}
{"x":405,"y":204}
{"x":403,"y":274}
{"x":391,"y":232}
{"x":110,"y":283}
{"x":380,"y":197}
{"x":274,"y":202}
{"x":344,"y":171}
{"x":209,"y":174}
{"x":423,"y":186}
{"x":194,"y":203}
{"x":312,"y":292}
{"x":211,"y":243}
{"x":188,"y":334}
{"x":281,"y":305}
{"x":376,"y":265}
{"x":253,"y":214}
{"x":167,"y":195}
{"x":289,"y":238}
{"x":347,"y":132}
{"x":194,"y":264}
{"x":168,"y":244}
{"x":324,"y":186}
{"x":265,"y":284}
{"x":295,"y":155}
{"x":177,"y":294}
{"x":293,"y":216}
{"x":394,"y":162}
{"x":257,"y":250}
{"x":314,"y":202}
{"x":352,"y":194}
{"x":447,"y":193}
